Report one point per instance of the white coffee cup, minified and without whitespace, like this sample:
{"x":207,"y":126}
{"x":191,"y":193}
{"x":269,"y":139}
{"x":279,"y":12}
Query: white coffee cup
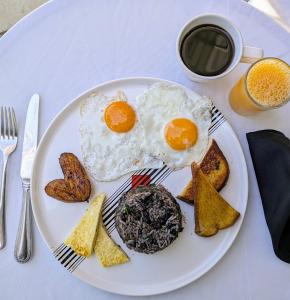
{"x":242,"y":53}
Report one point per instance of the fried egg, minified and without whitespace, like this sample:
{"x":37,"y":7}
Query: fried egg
{"x":175,"y":124}
{"x":110,"y":135}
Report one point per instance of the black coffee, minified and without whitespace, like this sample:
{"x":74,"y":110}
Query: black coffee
{"x":207,"y":50}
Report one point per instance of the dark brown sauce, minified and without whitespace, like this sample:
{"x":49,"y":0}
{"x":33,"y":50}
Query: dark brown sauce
{"x":207,"y":50}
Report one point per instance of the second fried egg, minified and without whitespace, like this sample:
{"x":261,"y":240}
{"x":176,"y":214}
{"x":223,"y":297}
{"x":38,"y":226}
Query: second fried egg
{"x":175,"y":124}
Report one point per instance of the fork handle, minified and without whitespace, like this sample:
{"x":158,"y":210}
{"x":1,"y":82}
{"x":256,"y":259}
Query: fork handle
{"x":2,"y":204}
{"x":23,"y":245}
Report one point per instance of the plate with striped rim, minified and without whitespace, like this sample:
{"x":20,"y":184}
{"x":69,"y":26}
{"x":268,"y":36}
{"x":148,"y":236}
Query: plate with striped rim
{"x":185,"y":260}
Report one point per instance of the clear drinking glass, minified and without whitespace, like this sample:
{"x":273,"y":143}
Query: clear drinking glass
{"x":266,"y":85}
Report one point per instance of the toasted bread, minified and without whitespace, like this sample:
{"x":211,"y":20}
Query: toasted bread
{"x":106,"y":250}
{"x":75,"y":187}
{"x":215,"y":167}
{"x":186,"y":195}
{"x":211,"y":210}
{"x":83,"y":236}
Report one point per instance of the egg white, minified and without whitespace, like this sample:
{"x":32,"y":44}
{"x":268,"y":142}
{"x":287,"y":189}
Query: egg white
{"x":162,"y":103}
{"x":106,"y":154}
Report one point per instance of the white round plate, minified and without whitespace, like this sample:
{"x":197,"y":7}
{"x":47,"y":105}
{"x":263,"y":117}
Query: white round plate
{"x":185,"y":260}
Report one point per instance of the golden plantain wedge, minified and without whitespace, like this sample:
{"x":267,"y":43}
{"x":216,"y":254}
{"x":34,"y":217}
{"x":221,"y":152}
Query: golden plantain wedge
{"x":83,"y":236}
{"x":106,"y":250}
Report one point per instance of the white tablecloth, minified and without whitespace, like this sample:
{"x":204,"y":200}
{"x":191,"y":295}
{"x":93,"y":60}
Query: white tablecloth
{"x":13,"y":10}
{"x":70,"y":46}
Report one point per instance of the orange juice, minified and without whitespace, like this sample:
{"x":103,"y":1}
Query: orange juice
{"x":266,"y":85}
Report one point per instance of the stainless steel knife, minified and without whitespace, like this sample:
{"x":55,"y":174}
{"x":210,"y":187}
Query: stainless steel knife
{"x":23,"y":244}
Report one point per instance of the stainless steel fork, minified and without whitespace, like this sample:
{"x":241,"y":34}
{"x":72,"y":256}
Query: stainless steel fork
{"x":8,"y":143}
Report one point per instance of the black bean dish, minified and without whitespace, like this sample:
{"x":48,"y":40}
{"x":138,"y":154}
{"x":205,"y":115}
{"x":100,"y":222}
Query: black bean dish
{"x":148,"y":219}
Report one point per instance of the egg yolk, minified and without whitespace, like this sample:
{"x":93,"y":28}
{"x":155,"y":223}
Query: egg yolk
{"x":180,"y":134}
{"x":120,"y":116}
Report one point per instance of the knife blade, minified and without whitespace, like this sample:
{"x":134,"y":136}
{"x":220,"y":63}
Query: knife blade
{"x":23,"y":244}
{"x":30,"y":138}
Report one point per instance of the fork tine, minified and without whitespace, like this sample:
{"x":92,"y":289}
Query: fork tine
{"x":11,"y":127}
{"x":2,"y":122}
{"x":14,"y":122}
{"x":6,"y":122}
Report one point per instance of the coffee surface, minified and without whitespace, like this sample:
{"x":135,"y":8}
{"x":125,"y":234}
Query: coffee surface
{"x":207,"y":50}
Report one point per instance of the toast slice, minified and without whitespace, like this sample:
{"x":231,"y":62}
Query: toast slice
{"x":106,"y":250}
{"x":83,"y":236}
{"x":211,"y":210}
{"x":215,"y":167}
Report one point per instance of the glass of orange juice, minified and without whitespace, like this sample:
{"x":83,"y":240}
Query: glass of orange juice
{"x":266,"y":85}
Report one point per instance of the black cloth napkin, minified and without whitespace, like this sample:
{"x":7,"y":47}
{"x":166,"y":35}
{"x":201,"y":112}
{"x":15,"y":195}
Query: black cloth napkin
{"x":270,"y":151}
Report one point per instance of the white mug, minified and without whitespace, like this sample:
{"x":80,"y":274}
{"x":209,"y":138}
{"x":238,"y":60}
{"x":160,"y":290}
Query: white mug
{"x":242,"y":53}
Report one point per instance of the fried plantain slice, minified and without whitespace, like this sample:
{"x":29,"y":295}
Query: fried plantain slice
{"x":75,"y":187}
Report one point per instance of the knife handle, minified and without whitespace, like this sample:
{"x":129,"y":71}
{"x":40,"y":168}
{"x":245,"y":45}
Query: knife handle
{"x":23,"y":245}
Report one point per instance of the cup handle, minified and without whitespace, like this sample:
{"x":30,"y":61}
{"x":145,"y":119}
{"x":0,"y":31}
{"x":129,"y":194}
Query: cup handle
{"x":251,"y":54}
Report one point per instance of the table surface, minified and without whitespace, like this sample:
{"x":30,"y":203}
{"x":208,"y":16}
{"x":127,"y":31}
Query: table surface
{"x":67,"y":47}
{"x":13,"y":10}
